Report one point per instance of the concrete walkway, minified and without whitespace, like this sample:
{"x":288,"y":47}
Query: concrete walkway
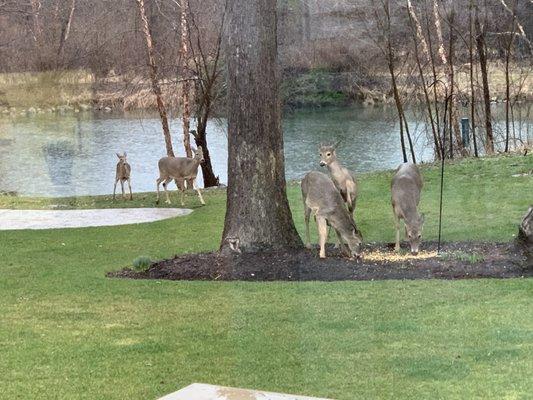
{"x":54,"y":219}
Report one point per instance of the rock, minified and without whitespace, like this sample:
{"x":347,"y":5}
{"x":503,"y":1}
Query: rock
{"x":85,"y":107}
{"x":107,"y":109}
{"x":32,"y":110}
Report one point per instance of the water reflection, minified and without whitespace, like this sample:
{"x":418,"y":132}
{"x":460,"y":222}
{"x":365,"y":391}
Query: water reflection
{"x":64,"y":155}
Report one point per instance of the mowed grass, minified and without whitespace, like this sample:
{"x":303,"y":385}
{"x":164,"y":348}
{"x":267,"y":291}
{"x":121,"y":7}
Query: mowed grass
{"x":68,"y":332}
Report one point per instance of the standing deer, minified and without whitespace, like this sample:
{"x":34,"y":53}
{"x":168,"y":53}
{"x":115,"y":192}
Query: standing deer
{"x":406,"y":187}
{"x":122,"y":175}
{"x":180,"y":169}
{"x":321,"y":197}
{"x":342,"y":177}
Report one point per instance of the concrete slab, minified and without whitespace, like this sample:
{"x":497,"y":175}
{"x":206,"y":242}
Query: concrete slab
{"x":55,"y":219}
{"x":200,"y":391}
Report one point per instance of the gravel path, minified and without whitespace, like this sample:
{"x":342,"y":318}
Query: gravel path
{"x":53,"y":219}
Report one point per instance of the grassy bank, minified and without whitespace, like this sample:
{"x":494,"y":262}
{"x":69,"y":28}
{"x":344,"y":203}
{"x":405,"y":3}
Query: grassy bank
{"x":67,"y":332}
{"x":48,"y":91}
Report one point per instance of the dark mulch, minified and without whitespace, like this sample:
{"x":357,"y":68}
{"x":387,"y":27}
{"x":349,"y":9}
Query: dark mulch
{"x":462,"y":260}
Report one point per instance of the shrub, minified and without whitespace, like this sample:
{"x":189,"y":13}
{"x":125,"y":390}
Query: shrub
{"x":142,"y":263}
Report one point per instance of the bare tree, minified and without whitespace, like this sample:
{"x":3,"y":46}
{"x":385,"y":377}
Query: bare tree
{"x":154,"y":78}
{"x":481,"y":49}
{"x":257,"y":214}
{"x":65,"y":29}
{"x":186,"y":85}
{"x":208,"y":71}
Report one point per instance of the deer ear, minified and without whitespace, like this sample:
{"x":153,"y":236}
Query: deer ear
{"x":422,"y":218}
{"x":125,"y":154}
{"x":118,"y":155}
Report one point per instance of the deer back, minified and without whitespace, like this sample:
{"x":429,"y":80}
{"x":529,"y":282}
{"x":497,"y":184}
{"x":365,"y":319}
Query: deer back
{"x":178,"y":167}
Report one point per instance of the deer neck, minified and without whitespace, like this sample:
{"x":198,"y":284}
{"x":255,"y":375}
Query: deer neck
{"x":335,"y":169}
{"x":410,"y":215}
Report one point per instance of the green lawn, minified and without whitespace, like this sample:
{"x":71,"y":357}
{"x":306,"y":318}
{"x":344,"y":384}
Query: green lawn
{"x":67,"y":332}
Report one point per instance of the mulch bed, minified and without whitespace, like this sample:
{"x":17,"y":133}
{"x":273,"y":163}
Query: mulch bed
{"x":459,"y":260}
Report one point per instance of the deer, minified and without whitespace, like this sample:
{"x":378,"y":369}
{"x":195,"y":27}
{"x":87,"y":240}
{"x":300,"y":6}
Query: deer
{"x":122,"y":174}
{"x":322,"y":198}
{"x":342,"y":177}
{"x":180,"y":169}
{"x":406,"y":187}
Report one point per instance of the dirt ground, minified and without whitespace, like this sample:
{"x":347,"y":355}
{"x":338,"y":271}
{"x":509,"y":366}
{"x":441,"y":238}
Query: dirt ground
{"x":459,"y":260}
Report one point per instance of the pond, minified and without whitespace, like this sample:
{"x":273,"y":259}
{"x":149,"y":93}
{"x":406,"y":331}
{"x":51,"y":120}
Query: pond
{"x":74,"y":154}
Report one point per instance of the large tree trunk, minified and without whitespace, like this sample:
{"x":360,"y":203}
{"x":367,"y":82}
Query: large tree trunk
{"x":480,"y":42}
{"x":257,"y":214}
{"x":156,"y":89}
{"x":525,"y":236}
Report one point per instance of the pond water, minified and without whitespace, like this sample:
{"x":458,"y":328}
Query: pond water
{"x":74,"y":154}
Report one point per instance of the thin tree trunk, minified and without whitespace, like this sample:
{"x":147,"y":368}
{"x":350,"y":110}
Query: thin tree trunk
{"x":480,"y":42}
{"x":399,"y":108}
{"x":508,"y":50}
{"x":186,"y":86}
{"x":472,"y":90}
{"x":257,"y":214}
{"x":37,"y":28}
{"x":65,"y":30}
{"x":390,"y":63}
{"x":418,"y":33}
{"x":454,"y":119}
{"x":438,"y":28}
{"x":435,"y":78}
{"x":156,"y":89}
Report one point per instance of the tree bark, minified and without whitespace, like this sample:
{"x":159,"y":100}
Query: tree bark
{"x":257,"y":214}
{"x":480,"y":42}
{"x":154,"y":79}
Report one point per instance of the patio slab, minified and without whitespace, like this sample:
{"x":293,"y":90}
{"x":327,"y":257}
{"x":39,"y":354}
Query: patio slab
{"x":200,"y":391}
{"x":55,"y":219}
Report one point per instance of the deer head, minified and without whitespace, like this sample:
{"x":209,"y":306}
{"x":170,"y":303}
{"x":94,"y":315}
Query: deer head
{"x":413,"y":233}
{"x":199,"y":154}
{"x":122,"y":158}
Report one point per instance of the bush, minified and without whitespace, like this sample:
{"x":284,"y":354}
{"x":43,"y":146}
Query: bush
{"x":142,"y":263}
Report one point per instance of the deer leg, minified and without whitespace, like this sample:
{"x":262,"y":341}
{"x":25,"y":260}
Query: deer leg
{"x":307,"y":213}
{"x":158,"y":181}
{"x":129,"y":186}
{"x":122,"y":187}
{"x":337,"y":242}
{"x":322,"y":235}
{"x":195,"y":186}
{"x":115,"y":188}
{"x":397,"y":225}
{"x":166,"y":190}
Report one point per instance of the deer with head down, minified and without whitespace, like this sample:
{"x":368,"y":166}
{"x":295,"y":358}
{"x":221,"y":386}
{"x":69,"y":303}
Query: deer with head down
{"x":180,"y":169}
{"x":123,"y":172}
{"x":321,"y":197}
{"x":406,"y":187}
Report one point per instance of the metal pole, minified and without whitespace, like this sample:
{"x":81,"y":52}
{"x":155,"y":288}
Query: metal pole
{"x":442,"y":167}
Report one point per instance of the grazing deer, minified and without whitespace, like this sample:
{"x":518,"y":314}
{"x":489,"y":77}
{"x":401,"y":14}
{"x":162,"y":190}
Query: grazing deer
{"x":406,"y":187}
{"x":180,"y":169}
{"x":321,"y":197}
{"x":122,"y":175}
{"x":342,"y":177}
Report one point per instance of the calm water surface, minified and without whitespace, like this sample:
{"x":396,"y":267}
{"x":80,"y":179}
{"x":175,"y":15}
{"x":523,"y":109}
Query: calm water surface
{"x":74,"y":155}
